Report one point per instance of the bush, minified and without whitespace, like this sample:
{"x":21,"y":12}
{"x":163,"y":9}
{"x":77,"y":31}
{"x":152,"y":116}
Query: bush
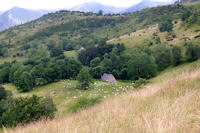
{"x":140,"y":82}
{"x":25,"y":110}
{"x":192,"y":52}
{"x":83,"y":103}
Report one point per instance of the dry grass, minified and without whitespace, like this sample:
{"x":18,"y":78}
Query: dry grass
{"x":170,"y":105}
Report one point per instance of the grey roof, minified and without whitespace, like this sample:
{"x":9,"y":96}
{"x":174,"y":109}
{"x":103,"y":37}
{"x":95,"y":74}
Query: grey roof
{"x":108,"y":78}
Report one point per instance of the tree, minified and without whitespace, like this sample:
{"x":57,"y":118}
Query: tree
{"x":100,"y":13}
{"x":4,"y":75}
{"x":95,"y":62}
{"x":192,"y":52}
{"x":176,"y":55}
{"x":56,"y":52}
{"x":84,"y":78}
{"x":142,"y":66}
{"x":25,"y":82}
{"x":97,"y":72}
{"x":162,"y":56}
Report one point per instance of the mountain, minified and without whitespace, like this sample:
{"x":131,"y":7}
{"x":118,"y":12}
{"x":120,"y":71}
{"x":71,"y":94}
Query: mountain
{"x":16,"y":16}
{"x":1,"y":12}
{"x":145,"y":4}
{"x":95,"y":7}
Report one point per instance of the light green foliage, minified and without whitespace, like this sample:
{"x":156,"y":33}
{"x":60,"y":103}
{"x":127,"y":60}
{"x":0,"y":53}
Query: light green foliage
{"x":140,"y":82}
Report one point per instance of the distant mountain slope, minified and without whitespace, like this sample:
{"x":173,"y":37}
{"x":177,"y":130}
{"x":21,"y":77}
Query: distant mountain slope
{"x":16,"y":16}
{"x":1,"y":12}
{"x":95,"y":7}
{"x":145,"y":4}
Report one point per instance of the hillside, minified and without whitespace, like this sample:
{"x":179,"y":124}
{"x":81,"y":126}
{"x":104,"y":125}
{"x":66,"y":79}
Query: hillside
{"x":170,"y":104}
{"x":78,"y":28}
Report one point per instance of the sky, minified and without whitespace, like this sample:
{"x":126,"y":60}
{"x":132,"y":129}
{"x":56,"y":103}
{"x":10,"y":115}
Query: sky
{"x":58,"y":4}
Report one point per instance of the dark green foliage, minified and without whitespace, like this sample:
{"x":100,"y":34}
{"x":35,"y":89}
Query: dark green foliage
{"x":157,"y":40}
{"x":84,"y":78}
{"x":4,"y":74}
{"x":25,"y":82}
{"x":97,"y":72}
{"x":3,"y":93}
{"x":142,"y":66}
{"x":186,"y":15}
{"x":83,"y":103}
{"x":95,"y":62}
{"x":53,"y":72}
{"x":192,"y":52}
{"x":162,"y":56}
{"x":176,"y":55}
{"x":140,"y":82}
{"x":90,"y":53}
{"x":100,"y":13}
{"x":25,"y":110}
{"x":56,"y":52}
{"x":166,"y":25}
{"x":37,"y":71}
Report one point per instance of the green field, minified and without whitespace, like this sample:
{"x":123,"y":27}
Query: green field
{"x":64,"y":92}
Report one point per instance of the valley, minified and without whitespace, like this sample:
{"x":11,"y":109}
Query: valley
{"x":51,"y":70}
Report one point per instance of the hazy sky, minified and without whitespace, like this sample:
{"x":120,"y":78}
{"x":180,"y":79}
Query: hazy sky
{"x":55,"y":4}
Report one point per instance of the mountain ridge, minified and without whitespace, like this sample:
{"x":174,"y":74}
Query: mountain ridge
{"x":95,"y":7}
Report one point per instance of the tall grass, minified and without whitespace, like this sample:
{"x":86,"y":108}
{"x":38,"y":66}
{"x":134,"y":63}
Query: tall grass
{"x":169,"y":105}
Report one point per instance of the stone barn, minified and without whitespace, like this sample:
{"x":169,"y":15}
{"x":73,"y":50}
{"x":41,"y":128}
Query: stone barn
{"x":108,"y":78}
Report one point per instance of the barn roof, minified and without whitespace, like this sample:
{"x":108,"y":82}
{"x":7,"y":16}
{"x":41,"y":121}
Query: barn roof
{"x":108,"y":78}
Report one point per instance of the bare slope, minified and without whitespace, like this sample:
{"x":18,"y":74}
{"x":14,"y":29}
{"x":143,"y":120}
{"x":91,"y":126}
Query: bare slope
{"x":170,"y":104}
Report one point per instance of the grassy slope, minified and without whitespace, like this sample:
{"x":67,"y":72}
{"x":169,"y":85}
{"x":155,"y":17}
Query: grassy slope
{"x":170,"y":104}
{"x":64,"y":92}
{"x":141,"y":37}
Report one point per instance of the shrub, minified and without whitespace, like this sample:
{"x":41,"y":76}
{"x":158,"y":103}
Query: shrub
{"x":83,"y":103}
{"x":25,"y":110}
{"x":140,"y":82}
